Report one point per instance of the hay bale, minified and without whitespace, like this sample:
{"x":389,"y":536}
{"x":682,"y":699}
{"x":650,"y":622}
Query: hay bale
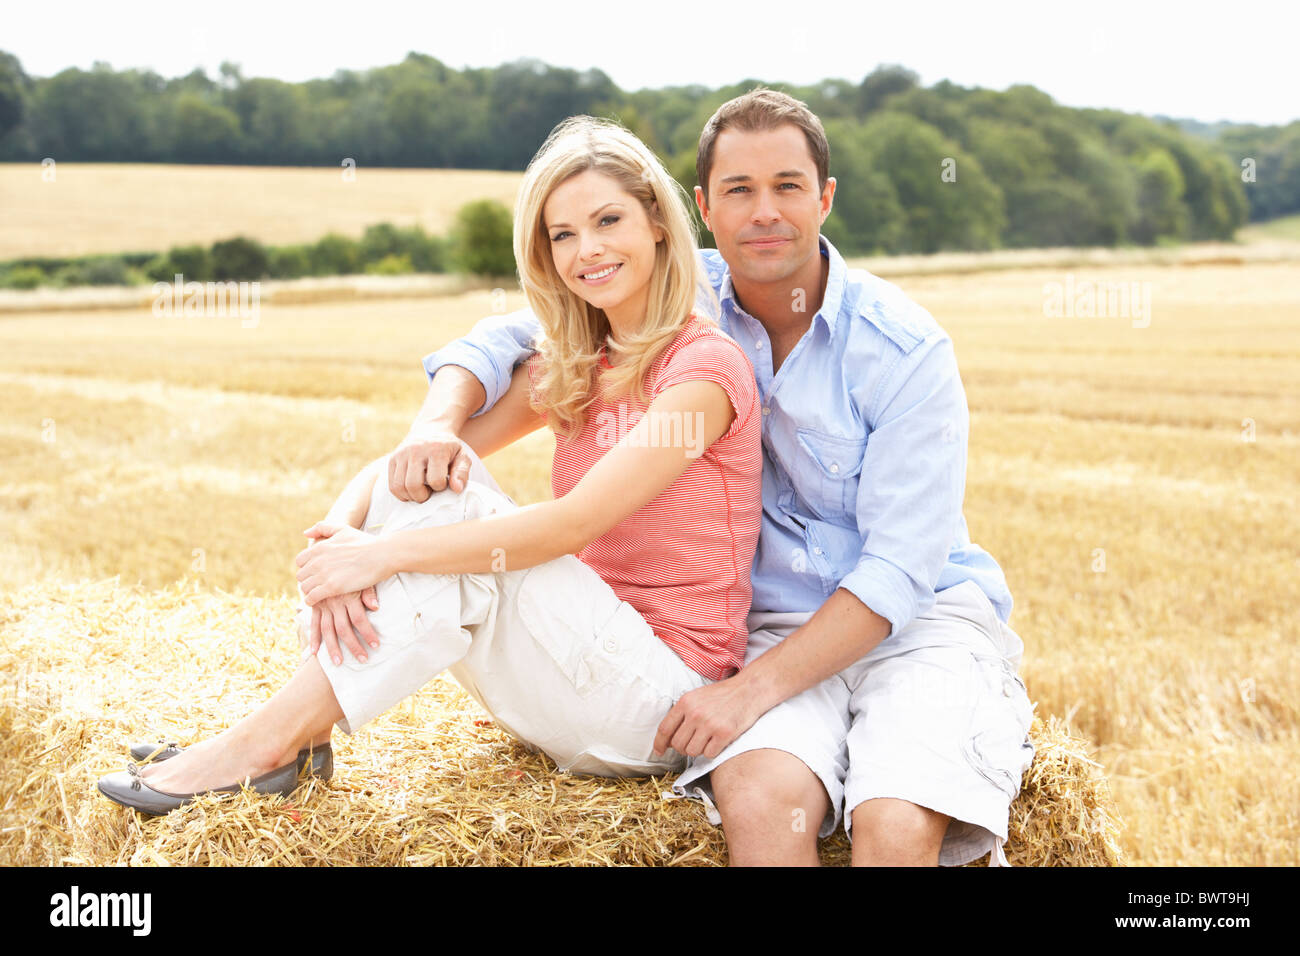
{"x":90,"y":667}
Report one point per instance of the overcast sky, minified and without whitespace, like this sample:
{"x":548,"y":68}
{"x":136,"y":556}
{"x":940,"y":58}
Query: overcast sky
{"x":1233,"y":61}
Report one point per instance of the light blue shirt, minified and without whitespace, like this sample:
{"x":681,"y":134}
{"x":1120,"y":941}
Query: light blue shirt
{"x":865,"y":429}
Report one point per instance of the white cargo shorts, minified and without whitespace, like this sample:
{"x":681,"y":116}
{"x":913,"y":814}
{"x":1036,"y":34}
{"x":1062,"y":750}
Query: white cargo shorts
{"x":935,"y":715}
{"x":550,"y":651}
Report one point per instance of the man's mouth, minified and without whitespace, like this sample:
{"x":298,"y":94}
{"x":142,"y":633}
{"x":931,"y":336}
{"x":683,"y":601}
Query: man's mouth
{"x":767,"y":242}
{"x":601,"y":274}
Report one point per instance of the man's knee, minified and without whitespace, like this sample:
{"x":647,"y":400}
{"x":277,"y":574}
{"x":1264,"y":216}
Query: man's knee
{"x":892,"y":832}
{"x":772,"y":806}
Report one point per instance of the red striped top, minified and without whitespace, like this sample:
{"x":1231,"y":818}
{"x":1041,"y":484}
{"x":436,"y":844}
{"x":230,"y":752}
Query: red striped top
{"x":683,"y":561}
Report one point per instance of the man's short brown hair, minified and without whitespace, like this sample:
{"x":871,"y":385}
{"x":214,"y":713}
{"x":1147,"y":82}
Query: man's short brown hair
{"x":758,"y":111}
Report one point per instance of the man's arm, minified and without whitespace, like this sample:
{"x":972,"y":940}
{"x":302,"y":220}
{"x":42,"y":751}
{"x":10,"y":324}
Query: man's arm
{"x":910,"y":494}
{"x":466,"y":378}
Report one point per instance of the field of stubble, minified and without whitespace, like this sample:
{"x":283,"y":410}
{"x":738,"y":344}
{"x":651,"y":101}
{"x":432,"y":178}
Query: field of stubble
{"x":1138,"y":485}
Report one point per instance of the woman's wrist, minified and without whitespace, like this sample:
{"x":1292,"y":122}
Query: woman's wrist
{"x":384,"y":557}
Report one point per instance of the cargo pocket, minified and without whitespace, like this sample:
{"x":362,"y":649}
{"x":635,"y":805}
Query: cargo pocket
{"x":998,"y":746}
{"x":579,"y":627}
{"x":411,"y":608}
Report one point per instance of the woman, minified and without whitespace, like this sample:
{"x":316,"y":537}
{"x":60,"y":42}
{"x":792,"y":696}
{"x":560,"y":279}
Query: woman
{"x":656,"y":477}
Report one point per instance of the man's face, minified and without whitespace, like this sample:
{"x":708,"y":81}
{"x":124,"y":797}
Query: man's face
{"x":763,"y":206}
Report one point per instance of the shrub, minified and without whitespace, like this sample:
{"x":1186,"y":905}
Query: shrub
{"x":239,"y":258}
{"x":427,"y":253}
{"x":23,"y":277}
{"x":380,"y":241}
{"x":93,"y":270}
{"x":335,"y":255}
{"x":482,"y":239}
{"x":192,"y":262}
{"x":391,"y":266}
{"x":290,"y":262}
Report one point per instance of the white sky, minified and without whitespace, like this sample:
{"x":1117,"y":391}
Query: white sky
{"x":1233,"y":61}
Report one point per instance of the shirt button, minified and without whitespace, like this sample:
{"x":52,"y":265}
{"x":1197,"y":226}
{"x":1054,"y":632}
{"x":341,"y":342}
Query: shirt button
{"x":766,"y":410}
{"x":610,"y":645}
{"x":835,"y":468}
{"x":1007,"y":688}
{"x":817,"y":551}
{"x":758,"y":346}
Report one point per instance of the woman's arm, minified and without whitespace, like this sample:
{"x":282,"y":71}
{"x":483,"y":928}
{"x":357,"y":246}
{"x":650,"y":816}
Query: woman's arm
{"x":629,"y":476}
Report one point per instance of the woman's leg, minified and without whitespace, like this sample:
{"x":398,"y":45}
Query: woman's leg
{"x":303,"y":711}
{"x":419,"y":623}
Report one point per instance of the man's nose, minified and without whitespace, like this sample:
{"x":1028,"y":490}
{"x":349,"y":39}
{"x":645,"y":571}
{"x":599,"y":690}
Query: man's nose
{"x":765,"y":210}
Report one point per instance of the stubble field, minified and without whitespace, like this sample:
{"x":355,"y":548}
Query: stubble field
{"x":1136,"y":481}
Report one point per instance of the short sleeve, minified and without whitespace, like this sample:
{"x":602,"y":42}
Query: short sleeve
{"x":714,"y":357}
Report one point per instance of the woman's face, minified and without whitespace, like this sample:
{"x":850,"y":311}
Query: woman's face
{"x":603,"y":245}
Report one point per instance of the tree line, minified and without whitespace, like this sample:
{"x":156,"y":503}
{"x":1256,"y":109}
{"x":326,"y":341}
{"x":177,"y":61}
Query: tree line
{"x":920,"y":168}
{"x":479,"y":243}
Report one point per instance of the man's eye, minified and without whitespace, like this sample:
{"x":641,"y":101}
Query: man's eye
{"x":791,"y":185}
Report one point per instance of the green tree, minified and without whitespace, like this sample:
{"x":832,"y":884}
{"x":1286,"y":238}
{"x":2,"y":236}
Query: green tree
{"x":866,"y":217}
{"x":14,"y":90}
{"x":1160,"y":209}
{"x":948,"y":202}
{"x":880,"y":84}
{"x":481,"y":238}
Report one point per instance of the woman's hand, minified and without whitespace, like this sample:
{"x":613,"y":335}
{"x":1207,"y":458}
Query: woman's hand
{"x":343,"y":620}
{"x":341,"y":561}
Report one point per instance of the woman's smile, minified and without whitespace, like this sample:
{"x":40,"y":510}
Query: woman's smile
{"x":600,"y":275}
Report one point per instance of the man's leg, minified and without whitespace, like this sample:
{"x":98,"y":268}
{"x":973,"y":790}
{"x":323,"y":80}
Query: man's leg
{"x":780,"y":784}
{"x":771,"y":806}
{"x":938,"y":743}
{"x":891,"y":832}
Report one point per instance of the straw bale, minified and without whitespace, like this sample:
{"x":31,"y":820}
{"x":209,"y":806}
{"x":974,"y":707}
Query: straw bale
{"x":87,"y":668}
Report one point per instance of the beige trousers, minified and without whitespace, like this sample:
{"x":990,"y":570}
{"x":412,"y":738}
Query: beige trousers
{"x":549,"y":651}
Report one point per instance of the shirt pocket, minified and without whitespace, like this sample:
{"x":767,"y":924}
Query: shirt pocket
{"x":829,"y":480}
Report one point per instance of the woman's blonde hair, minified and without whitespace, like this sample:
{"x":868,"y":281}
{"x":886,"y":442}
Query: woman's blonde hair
{"x":573,"y":331}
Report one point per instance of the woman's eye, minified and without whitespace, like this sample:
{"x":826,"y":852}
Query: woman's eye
{"x":558,"y":236}
{"x":610,"y":219}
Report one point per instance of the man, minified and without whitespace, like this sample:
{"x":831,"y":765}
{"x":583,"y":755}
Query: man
{"x":880,"y":681}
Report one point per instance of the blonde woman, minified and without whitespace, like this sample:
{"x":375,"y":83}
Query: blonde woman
{"x":575,"y":622}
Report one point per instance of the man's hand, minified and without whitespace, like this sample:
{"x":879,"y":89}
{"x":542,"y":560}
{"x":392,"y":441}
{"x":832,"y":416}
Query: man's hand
{"x":342,"y":618}
{"x":429,"y":459}
{"x":704,"y":721}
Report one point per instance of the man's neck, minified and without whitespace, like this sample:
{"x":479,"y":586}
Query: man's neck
{"x":785,"y":308}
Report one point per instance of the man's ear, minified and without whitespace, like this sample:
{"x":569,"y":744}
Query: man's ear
{"x":828,"y":197}
{"x":703,"y":207}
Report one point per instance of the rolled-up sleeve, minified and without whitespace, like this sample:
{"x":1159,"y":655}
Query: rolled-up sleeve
{"x":489,"y":352}
{"x":912,"y":483}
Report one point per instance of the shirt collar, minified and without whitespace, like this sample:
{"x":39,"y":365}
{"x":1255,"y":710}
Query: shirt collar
{"x":831,"y":301}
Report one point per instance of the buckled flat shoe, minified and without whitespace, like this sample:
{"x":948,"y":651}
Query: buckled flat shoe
{"x":129,"y":789}
{"x":322,"y":757}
